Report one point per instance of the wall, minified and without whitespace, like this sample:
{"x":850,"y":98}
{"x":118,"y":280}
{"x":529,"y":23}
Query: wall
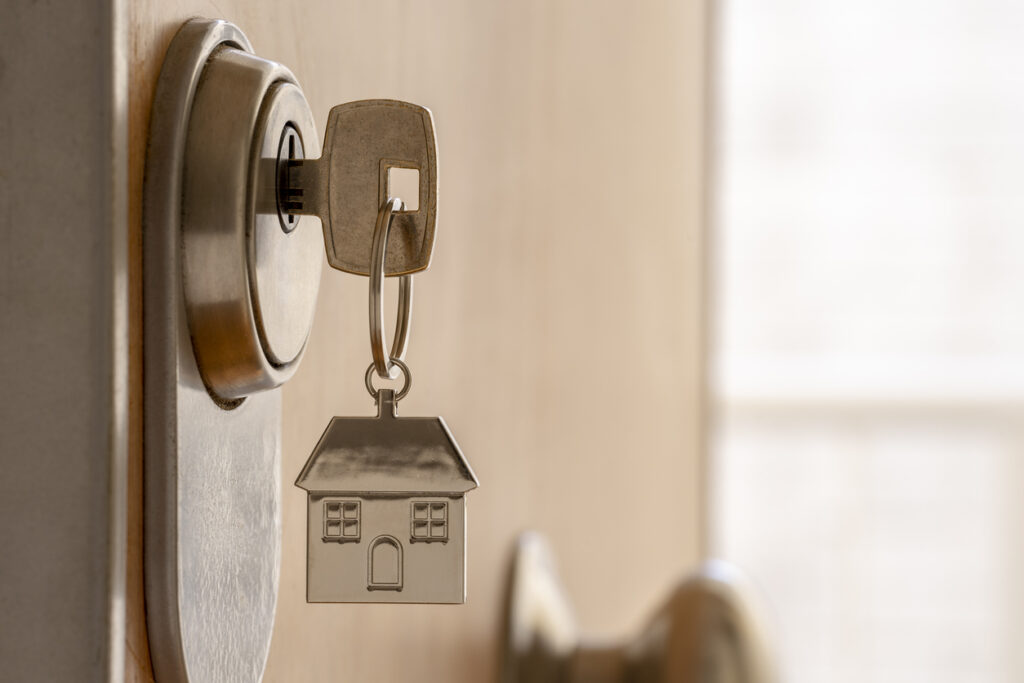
{"x":558,"y":330}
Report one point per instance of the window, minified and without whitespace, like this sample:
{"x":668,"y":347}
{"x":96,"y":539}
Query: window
{"x":868,"y":465}
{"x":429,"y":521}
{"x":341,"y":521}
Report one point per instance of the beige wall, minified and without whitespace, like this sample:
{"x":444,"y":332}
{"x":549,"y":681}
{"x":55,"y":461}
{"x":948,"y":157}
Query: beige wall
{"x":558,"y":330}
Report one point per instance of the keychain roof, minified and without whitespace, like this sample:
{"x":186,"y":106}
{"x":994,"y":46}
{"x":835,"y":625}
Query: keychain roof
{"x":387,"y":453}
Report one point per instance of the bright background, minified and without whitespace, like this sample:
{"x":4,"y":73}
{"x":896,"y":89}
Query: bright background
{"x":868,"y":343}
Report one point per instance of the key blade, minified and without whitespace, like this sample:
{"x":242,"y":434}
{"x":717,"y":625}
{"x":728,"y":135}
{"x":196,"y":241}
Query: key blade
{"x":363,"y":140}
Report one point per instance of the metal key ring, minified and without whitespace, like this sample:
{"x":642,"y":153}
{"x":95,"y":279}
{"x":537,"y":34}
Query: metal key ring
{"x":405,"y":385}
{"x":382,"y":360}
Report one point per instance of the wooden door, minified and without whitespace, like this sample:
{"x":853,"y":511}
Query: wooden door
{"x":559,"y":330}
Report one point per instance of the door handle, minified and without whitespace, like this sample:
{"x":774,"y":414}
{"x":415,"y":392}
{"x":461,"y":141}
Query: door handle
{"x":706,"y":631}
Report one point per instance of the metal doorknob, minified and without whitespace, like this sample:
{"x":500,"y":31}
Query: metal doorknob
{"x":707,"y":631}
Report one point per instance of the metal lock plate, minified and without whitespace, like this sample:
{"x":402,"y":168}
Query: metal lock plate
{"x":346,"y":188}
{"x":229,"y":297}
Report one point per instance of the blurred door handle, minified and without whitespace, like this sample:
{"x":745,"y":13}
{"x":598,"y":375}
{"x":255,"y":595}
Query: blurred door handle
{"x":705,"y":632}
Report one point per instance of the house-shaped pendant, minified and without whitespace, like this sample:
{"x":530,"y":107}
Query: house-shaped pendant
{"x":387,"y":510}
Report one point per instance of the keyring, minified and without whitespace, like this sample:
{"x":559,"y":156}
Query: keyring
{"x":383,"y":362}
{"x":401,"y":392}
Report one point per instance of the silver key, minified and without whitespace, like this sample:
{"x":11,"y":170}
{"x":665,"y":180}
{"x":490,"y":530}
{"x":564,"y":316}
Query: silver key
{"x":373,"y":150}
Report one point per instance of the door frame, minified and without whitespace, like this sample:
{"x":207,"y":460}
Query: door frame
{"x":64,"y":312}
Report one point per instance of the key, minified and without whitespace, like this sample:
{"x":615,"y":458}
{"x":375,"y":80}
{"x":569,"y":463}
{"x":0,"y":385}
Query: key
{"x":373,"y":150}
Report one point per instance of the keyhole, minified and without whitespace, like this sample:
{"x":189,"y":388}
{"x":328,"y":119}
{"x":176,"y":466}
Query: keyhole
{"x":289,"y":199}
{"x":291,"y":157}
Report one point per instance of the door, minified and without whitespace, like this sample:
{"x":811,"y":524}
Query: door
{"x":558,"y":331}
{"x":384,"y":564}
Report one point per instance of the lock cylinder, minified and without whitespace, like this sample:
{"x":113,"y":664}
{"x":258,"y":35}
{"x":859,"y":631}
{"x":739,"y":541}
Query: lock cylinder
{"x":251,"y":274}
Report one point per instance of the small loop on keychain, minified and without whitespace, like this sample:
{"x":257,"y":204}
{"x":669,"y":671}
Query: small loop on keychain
{"x":383,"y":362}
{"x":405,"y":386}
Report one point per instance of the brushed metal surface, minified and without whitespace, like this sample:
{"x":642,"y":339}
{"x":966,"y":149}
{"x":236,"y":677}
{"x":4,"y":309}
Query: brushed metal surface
{"x":212,"y":476}
{"x":250,"y":287}
{"x":284,"y":264}
{"x":347,"y":185}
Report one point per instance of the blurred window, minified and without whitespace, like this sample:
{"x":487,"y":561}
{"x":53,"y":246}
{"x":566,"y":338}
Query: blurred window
{"x":868,"y":344}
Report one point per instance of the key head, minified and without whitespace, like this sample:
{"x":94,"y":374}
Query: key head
{"x":364,"y":142}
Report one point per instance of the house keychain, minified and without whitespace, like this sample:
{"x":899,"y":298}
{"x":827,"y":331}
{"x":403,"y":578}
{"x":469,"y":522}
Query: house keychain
{"x":386,"y":494}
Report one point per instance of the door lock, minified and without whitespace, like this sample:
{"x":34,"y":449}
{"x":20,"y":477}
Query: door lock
{"x":252,"y":169}
{"x":250,"y":281}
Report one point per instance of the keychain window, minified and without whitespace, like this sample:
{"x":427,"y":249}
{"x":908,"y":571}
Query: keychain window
{"x":341,"y":520}
{"x":430,"y":521}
